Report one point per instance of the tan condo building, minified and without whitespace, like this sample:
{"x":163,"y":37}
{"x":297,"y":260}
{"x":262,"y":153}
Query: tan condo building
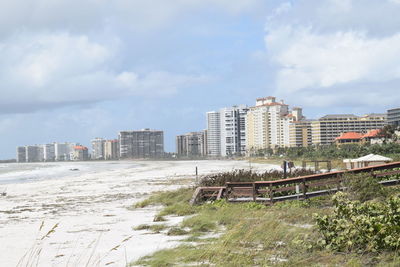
{"x":269,"y":123}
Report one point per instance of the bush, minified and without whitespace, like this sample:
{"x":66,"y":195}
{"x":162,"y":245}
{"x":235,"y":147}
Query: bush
{"x":359,"y":227}
{"x":363,"y":187}
{"x":221,"y":179}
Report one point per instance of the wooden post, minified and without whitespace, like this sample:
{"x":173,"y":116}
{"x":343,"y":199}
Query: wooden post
{"x":254,"y":193}
{"x":304,"y":189}
{"x":271,"y":194}
{"x":316,"y":165}
{"x":304,"y":164}
{"x":329,"y":165}
{"x":339,"y":180}
{"x":284,"y":169}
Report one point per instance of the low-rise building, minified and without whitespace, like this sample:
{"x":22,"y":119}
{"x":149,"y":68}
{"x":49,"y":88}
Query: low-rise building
{"x":371,"y":137}
{"x":326,"y":129}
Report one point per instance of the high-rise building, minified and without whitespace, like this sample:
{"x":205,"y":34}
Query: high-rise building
{"x":191,"y":144}
{"x":34,"y":153}
{"x":213,"y":134}
{"x":63,"y":151}
{"x":233,"y":130}
{"x":49,"y":152}
{"x":141,"y":144}
{"x":393,"y":116}
{"x":268,"y":124}
{"x":327,"y":128}
{"x":98,"y":148}
{"x":21,"y":154}
{"x":111,"y":149}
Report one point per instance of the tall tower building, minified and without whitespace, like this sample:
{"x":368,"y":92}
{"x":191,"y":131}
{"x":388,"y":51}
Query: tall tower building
{"x":98,"y":148}
{"x":268,"y":124}
{"x":214,"y":134}
{"x":226,"y":131}
{"x":111,"y":149}
{"x":233,"y":130}
{"x":49,"y":152}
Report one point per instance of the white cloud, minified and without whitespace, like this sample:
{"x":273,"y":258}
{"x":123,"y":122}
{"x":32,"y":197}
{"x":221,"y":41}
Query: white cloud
{"x":81,"y":15}
{"x":329,"y":53}
{"x":41,"y":70}
{"x":323,"y":60}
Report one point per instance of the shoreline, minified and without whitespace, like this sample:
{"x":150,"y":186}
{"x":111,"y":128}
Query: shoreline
{"x":91,"y":204}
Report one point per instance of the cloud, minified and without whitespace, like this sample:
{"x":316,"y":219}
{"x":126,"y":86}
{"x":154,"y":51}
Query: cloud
{"x":48,"y":70}
{"x":308,"y":59}
{"x":323,"y":63}
{"x":84,"y":15}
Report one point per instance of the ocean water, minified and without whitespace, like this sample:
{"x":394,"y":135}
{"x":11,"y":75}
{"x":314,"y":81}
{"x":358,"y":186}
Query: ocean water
{"x":89,"y":208}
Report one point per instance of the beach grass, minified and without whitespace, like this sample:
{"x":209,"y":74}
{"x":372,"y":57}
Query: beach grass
{"x":252,"y":234}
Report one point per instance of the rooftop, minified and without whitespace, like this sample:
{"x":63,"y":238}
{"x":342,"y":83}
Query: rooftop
{"x":350,"y":136}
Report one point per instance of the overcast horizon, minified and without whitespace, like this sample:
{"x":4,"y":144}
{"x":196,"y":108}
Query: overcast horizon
{"x":76,"y":70}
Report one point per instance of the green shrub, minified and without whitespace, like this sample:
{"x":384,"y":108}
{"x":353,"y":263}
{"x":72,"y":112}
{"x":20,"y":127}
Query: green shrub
{"x":364,"y":187}
{"x":359,"y":227}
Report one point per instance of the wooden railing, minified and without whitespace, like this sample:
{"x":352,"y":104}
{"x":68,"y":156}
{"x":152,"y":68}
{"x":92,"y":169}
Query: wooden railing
{"x":291,"y":188}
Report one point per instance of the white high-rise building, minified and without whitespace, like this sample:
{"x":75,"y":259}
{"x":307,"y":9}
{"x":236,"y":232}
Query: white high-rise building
{"x":226,"y":131}
{"x":49,"y":152}
{"x":233,"y":130}
{"x":213,"y":133}
{"x":63,"y":151}
{"x":98,"y":148}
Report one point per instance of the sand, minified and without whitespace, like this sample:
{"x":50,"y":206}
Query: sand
{"x":90,"y":209}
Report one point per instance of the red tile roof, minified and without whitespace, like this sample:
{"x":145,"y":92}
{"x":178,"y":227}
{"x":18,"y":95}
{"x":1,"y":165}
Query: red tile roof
{"x":372,"y":133}
{"x":350,"y":135}
{"x":80,"y":148}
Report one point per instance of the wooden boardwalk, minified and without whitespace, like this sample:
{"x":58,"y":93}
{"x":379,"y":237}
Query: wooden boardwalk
{"x":302,"y":187}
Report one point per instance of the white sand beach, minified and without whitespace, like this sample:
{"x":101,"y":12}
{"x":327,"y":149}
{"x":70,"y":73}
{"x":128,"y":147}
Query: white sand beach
{"x":90,"y":207}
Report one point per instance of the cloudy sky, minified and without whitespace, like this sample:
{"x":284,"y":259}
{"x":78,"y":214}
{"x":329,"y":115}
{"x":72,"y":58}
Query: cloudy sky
{"x":78,"y":69}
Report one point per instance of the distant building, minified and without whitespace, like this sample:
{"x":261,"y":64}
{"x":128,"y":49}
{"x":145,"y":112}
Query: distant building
{"x":98,"y":148}
{"x":63,"y":151}
{"x":49,"y":153}
{"x":371,"y":137}
{"x":233,"y":130}
{"x":34,"y":153}
{"x":349,"y":138}
{"x":141,"y":144}
{"x":80,"y":153}
{"x":214,"y":133}
{"x":393,"y":117}
{"x":226,"y":131}
{"x":21,"y":154}
{"x":191,"y":144}
{"x":328,"y":128}
{"x":269,"y":123}
{"x":111,"y":149}
{"x":300,"y":133}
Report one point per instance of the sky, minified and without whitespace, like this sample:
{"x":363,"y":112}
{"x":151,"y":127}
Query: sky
{"x":79,"y":69}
